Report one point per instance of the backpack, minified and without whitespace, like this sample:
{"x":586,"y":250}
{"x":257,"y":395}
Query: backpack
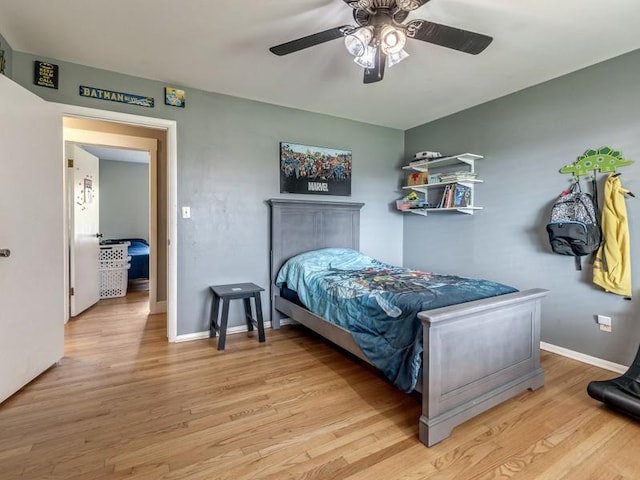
{"x":574,"y":228}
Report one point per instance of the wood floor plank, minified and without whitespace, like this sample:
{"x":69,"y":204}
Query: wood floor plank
{"x":123,"y":403}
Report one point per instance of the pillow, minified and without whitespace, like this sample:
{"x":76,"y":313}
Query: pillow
{"x":306,"y":264}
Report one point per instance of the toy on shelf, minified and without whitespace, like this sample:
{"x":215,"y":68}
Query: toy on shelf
{"x":412,"y":200}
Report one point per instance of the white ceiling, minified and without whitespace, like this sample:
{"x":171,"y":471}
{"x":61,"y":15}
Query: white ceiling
{"x":118,"y":154}
{"x":222,"y":46}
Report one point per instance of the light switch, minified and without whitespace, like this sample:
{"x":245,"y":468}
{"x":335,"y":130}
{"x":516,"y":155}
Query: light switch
{"x":186,"y":212}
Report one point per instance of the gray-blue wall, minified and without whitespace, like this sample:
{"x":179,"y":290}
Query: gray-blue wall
{"x":525,"y":138}
{"x":228,"y":151}
{"x":124,"y":199}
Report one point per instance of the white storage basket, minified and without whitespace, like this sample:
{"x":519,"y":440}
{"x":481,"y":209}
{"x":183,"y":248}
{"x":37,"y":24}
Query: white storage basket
{"x":114,"y":256}
{"x":113,"y":282}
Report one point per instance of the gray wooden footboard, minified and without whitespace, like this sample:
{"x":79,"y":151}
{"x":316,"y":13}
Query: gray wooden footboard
{"x":476,"y":355}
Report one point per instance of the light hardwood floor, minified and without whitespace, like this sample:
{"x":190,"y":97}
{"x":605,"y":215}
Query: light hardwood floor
{"x":125,"y":404}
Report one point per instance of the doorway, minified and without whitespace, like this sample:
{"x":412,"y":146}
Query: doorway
{"x":108,"y":134}
{"x":111,"y":129}
{"x":124,"y":219}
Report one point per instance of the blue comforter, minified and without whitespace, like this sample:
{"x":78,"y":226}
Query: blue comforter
{"x":139,"y":253}
{"x":378,"y":303}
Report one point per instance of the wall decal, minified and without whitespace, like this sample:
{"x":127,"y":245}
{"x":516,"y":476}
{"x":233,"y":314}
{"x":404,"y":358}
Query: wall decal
{"x":314,"y":170}
{"x":120,"y":97}
{"x":174,"y":97}
{"x":88,"y":190}
{"x":45,"y":74}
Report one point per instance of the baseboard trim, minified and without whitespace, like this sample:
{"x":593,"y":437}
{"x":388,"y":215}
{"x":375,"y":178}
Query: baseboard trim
{"x":565,"y":352}
{"x":581,"y":357}
{"x":158,"y":307}
{"x":188,"y":337}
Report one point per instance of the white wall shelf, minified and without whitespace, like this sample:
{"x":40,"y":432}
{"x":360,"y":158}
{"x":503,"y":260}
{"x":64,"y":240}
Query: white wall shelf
{"x":432,"y":193}
{"x":425,"y":211}
{"x":423,"y":165}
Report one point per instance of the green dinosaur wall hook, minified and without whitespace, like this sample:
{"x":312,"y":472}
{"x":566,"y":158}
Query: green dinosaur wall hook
{"x":604,"y":160}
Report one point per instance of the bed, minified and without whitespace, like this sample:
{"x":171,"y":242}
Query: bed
{"x":138,"y":250}
{"x":475,"y":355}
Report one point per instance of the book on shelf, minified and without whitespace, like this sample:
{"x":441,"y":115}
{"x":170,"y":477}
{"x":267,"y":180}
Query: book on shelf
{"x":445,"y":197}
{"x":461,"y":196}
{"x":434,"y":178}
{"x":457,"y":176}
{"x":439,"y":204}
{"x":450,"y":196}
{"x":455,"y":196}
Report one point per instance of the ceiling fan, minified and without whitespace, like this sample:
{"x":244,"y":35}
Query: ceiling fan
{"x":379,"y":37}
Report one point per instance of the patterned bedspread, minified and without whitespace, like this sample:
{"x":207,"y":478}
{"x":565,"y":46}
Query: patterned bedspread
{"x":379,"y":303}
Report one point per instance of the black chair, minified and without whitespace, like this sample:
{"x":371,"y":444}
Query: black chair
{"x":622,"y":393}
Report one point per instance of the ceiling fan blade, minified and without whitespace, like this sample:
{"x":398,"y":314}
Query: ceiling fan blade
{"x":375,"y":74}
{"x":311,"y":40}
{"x":450,"y":37}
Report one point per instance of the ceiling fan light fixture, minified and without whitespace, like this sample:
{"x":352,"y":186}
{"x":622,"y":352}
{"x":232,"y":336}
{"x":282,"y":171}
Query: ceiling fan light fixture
{"x":396,"y":58}
{"x":357,"y":42}
{"x":365,"y":4}
{"x":368,"y":58}
{"x":407,"y":5}
{"x":381,"y":29}
{"x":360,"y":4}
{"x":392,"y":39}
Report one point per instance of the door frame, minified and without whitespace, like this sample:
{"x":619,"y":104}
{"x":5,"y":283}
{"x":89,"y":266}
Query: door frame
{"x":170,"y":126}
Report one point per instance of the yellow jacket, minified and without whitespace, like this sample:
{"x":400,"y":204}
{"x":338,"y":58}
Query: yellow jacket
{"x":612,"y":267}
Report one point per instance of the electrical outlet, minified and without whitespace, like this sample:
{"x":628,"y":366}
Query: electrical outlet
{"x":605,"y":323}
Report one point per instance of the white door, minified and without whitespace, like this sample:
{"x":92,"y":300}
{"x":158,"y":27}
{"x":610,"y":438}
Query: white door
{"x":84,"y":249}
{"x":32,"y":276}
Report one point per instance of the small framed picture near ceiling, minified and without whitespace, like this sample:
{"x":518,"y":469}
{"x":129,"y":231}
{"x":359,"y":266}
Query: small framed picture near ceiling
{"x":314,"y":170}
{"x":174,"y":97}
{"x":45,"y":74}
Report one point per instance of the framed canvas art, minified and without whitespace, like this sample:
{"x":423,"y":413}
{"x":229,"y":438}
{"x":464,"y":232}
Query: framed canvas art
{"x":314,"y":170}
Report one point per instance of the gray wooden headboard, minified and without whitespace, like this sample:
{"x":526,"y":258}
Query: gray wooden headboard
{"x":298,"y":226}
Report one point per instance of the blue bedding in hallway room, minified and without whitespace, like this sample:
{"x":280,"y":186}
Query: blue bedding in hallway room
{"x":138,"y":250}
{"x":139,"y":253}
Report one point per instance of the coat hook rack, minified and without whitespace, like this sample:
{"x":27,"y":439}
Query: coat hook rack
{"x":603,"y":160}
{"x":627,"y":193}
